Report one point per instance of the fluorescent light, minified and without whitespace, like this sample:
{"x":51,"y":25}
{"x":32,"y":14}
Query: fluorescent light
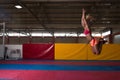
{"x":71,"y":34}
{"x":106,"y":33}
{"x":37,"y":34}
{"x":96,"y":34}
{"x":41,"y":34}
{"x":82,"y":35}
{"x":59,"y":34}
{"x":18,"y":6}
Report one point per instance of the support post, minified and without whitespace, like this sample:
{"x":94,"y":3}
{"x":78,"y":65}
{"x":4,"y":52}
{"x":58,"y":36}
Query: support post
{"x":2,"y":47}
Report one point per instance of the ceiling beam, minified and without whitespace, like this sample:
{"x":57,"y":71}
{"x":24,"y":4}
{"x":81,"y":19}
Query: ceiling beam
{"x":34,"y":15}
{"x":68,"y":0}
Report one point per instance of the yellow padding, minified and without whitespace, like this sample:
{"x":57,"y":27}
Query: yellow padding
{"x":109,"y":52}
{"x":84,"y":52}
{"x":70,"y":51}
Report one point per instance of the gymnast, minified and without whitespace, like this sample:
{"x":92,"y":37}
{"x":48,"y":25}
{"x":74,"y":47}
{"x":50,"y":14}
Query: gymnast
{"x":95,"y":42}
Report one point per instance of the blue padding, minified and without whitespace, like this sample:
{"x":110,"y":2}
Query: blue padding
{"x":5,"y":79}
{"x":57,"y":67}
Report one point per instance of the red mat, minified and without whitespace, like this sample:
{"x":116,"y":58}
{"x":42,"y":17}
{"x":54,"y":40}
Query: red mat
{"x":58,"y":75}
{"x":99,"y":63}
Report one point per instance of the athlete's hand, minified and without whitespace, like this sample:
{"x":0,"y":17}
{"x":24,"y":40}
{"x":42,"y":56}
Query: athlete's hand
{"x":83,"y":10}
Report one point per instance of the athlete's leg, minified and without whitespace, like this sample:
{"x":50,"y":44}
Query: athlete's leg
{"x":96,"y":45}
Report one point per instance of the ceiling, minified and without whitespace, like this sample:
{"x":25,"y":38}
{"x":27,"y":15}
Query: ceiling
{"x":59,"y":15}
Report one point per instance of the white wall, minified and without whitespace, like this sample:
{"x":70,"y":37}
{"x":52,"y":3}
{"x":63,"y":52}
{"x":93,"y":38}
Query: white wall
{"x":117,"y":39}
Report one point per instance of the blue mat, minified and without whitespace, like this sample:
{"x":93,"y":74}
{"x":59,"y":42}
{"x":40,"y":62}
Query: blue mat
{"x":57,"y":67}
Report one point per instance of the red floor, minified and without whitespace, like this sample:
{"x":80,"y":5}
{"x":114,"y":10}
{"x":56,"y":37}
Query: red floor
{"x":60,"y":74}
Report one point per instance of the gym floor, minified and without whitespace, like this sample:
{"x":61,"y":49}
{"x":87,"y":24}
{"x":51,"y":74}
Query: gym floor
{"x":59,"y":70}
